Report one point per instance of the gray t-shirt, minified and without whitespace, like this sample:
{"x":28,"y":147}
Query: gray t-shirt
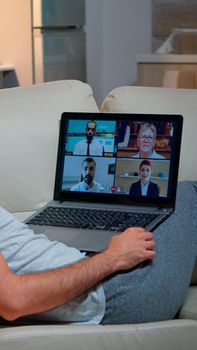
{"x":27,"y":252}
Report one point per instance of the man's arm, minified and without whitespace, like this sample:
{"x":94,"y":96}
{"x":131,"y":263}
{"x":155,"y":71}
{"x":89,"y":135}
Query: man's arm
{"x":22,"y":295}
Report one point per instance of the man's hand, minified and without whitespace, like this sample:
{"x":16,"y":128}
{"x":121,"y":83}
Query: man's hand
{"x":130,"y":248}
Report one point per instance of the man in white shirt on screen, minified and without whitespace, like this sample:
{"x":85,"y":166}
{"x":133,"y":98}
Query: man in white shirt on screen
{"x":87,"y":184}
{"x":89,"y":146}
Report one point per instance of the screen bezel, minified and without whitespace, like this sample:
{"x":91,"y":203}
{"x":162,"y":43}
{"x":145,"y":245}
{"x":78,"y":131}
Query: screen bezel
{"x":118,"y":199}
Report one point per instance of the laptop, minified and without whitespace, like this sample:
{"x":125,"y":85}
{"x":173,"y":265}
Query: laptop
{"x":113,"y":171}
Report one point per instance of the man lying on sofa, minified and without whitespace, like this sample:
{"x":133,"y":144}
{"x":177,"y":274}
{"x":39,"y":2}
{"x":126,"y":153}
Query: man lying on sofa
{"x":140,"y":277}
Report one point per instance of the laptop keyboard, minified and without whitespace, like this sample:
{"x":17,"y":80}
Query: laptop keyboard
{"x":92,"y":219}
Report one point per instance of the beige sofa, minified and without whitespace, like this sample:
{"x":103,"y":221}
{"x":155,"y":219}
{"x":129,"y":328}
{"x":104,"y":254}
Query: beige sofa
{"x":29,"y":122}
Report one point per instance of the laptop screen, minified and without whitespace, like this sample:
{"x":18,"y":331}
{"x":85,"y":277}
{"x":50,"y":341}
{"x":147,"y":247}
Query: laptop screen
{"x":118,"y":158}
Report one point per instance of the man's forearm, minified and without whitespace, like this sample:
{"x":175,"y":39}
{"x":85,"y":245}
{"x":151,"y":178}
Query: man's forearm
{"x":38,"y":292}
{"x":33,"y":293}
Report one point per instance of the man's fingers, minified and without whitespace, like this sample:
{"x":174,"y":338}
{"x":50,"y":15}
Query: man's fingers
{"x":150,"y":245}
{"x":150,"y":254}
{"x":148,"y":236}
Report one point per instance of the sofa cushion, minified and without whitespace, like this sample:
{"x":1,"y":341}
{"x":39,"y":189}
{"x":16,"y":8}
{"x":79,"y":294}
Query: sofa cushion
{"x":136,"y":99}
{"x":170,"y":335}
{"x":29,"y":127}
{"x":189,"y":308}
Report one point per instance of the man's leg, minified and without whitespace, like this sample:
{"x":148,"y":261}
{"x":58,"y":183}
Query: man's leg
{"x":156,"y":291}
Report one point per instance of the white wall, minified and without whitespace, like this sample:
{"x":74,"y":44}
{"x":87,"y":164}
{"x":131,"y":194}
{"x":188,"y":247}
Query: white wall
{"x":15,"y":38}
{"x":117,"y":30}
{"x":94,"y":45}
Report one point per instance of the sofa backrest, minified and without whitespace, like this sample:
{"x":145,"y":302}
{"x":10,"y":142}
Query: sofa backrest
{"x":136,"y":99}
{"x":29,"y":128}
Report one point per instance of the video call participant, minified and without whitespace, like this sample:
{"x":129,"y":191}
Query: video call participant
{"x":89,"y":146}
{"x":146,"y":142}
{"x":88,"y":170}
{"x":144,"y":187}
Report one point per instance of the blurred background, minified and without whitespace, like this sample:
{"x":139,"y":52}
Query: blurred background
{"x":106,"y":43}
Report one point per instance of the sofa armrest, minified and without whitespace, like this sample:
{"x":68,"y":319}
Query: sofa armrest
{"x":171,"y":335}
{"x":189,"y":308}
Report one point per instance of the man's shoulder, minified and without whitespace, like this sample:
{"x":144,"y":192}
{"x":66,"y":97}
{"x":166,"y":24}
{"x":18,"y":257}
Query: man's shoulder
{"x":97,"y":186}
{"x":79,"y":147}
{"x":81,"y":142}
{"x":96,"y":142}
{"x":76,"y":187}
